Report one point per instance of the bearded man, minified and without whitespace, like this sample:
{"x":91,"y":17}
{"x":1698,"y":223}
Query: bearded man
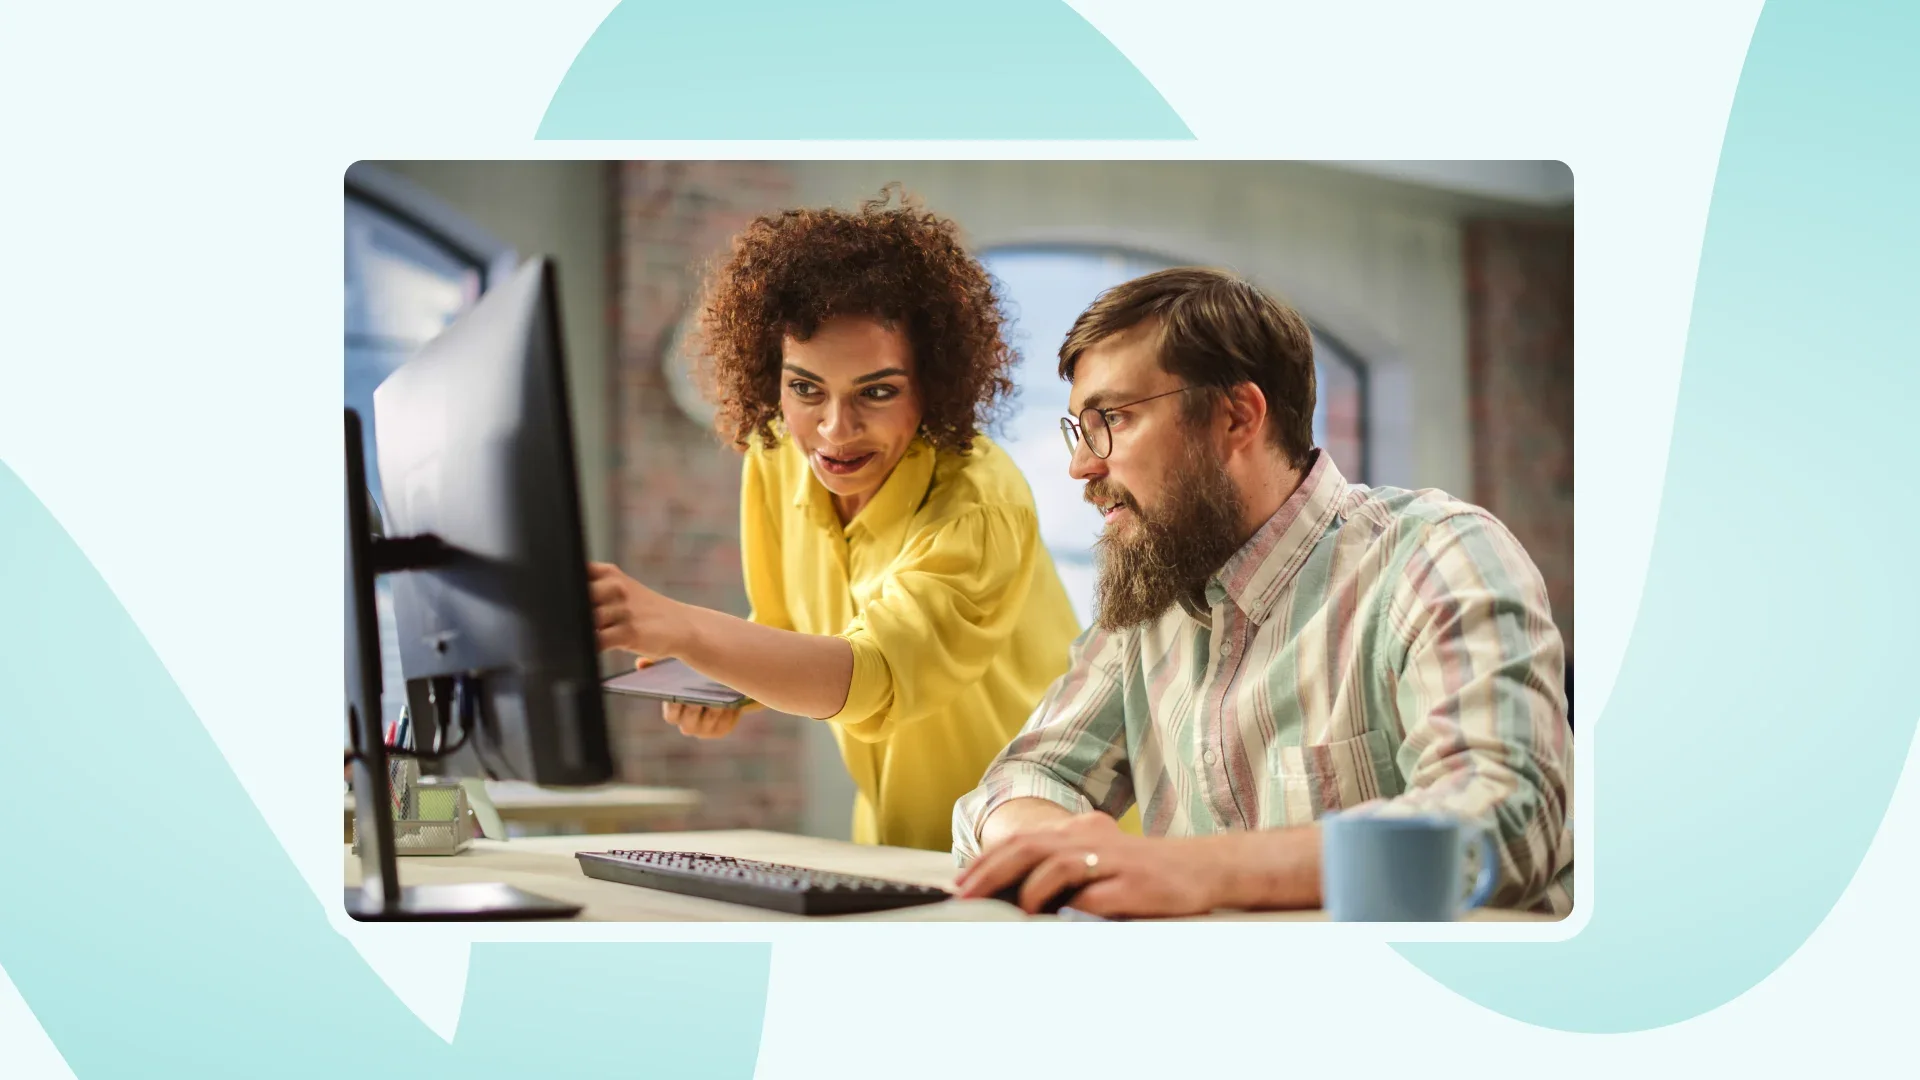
{"x":1272,"y":643}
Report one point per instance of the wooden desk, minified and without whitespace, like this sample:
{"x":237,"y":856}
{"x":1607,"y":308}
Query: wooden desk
{"x":546,"y":865}
{"x":603,"y":809}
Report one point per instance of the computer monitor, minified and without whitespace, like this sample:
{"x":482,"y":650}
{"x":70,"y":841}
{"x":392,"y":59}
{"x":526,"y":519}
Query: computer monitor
{"x":483,"y":548}
{"x":475,"y":445}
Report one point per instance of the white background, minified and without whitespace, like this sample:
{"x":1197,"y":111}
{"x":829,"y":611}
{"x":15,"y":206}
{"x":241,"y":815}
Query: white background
{"x":162,"y":155}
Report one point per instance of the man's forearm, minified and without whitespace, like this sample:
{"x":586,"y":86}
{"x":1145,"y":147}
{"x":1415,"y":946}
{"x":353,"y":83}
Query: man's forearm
{"x":1270,"y":870}
{"x":1017,"y":816}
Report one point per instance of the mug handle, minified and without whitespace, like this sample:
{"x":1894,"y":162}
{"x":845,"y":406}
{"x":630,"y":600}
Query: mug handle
{"x":1483,"y":886}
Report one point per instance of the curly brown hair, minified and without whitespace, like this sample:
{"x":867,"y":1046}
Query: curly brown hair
{"x":788,"y":273}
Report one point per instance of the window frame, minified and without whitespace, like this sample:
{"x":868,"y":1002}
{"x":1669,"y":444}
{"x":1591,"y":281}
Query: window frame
{"x":444,"y":229}
{"x":435,"y":221}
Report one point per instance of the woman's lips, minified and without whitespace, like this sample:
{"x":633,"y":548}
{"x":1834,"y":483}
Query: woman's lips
{"x":842,"y":465}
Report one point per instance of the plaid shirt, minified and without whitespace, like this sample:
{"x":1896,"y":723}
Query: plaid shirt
{"x":1366,"y":645}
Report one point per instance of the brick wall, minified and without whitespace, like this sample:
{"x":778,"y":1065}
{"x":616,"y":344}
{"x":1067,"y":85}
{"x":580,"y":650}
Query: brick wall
{"x":1519,"y":278}
{"x":676,"y":486}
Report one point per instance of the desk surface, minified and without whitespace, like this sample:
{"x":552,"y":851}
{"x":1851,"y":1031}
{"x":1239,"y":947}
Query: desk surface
{"x":526,"y":802}
{"x":518,"y":801}
{"x":546,"y":865}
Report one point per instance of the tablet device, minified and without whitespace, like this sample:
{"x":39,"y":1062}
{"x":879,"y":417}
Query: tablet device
{"x":671,"y":680}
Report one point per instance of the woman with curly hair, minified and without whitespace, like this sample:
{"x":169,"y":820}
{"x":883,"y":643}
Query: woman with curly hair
{"x":900,"y":591}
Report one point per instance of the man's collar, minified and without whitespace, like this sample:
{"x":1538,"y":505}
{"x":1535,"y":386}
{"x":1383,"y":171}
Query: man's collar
{"x":1254,"y":576}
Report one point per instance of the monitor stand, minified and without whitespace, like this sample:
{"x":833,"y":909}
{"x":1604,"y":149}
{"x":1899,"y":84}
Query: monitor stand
{"x":380,"y":897}
{"x":478,"y":902}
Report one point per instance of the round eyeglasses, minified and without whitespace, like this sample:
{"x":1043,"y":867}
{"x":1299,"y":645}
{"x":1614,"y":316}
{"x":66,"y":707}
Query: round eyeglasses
{"x":1092,"y":425}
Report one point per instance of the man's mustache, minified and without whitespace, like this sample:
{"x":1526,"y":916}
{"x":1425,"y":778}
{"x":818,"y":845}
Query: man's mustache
{"x":1098,"y":494}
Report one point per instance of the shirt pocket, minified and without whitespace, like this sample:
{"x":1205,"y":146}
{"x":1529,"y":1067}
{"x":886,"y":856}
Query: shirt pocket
{"x":1322,"y":778}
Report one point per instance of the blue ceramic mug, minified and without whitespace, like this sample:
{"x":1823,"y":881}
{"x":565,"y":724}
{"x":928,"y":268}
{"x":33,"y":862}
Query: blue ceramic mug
{"x":1376,"y":868}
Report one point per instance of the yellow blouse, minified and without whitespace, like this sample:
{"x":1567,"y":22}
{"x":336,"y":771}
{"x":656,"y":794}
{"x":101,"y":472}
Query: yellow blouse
{"x":956,"y":616}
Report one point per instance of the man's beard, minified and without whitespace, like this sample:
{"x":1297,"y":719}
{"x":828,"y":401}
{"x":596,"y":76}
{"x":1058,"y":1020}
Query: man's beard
{"x":1169,"y":553}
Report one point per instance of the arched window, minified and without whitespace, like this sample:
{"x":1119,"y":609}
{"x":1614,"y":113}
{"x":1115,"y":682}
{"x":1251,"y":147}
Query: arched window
{"x":412,"y":266}
{"x":1046,"y":288}
{"x":404,"y":284}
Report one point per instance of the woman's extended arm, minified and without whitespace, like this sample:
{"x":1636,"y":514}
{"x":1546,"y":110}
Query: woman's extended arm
{"x":802,"y":674}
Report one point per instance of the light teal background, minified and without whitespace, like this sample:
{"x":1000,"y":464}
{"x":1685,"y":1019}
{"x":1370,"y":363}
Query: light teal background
{"x":163,"y":930}
{"x":1746,"y":754}
{"x":854,"y":69}
{"x":1760,"y":720}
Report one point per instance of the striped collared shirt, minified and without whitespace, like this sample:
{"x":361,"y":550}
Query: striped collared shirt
{"x":1365,"y":646}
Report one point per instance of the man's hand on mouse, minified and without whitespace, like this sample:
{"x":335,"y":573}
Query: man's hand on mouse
{"x":1128,"y":875}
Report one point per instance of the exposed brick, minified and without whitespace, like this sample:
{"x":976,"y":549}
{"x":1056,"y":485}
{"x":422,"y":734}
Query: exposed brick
{"x":1520,"y":364}
{"x":676,"y":486}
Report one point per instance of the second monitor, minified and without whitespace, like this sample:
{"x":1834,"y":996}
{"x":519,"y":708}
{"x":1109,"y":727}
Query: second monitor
{"x":474,"y":439}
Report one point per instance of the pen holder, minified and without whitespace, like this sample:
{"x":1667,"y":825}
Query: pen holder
{"x":429,"y":813}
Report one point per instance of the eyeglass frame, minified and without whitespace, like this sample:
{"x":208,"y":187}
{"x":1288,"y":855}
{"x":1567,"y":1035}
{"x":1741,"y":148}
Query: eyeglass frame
{"x":1074,"y":430}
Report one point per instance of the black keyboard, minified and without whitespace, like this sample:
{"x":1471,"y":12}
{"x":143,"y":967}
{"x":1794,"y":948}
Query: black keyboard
{"x":774,"y":886}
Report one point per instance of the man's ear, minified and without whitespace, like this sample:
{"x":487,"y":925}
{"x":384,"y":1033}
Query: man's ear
{"x":1246,"y":413}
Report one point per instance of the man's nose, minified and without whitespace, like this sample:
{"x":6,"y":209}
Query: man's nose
{"x":1084,"y":466}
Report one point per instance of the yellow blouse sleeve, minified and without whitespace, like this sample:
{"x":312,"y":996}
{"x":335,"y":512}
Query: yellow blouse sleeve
{"x":760,"y":543}
{"x":949,"y":604}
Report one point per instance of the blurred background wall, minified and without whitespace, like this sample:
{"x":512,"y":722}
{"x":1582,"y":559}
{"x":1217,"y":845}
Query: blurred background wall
{"x":1440,"y":293}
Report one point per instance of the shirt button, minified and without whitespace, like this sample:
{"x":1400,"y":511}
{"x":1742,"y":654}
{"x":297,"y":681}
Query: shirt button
{"x":1226,"y":648}
{"x":1209,"y":757}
